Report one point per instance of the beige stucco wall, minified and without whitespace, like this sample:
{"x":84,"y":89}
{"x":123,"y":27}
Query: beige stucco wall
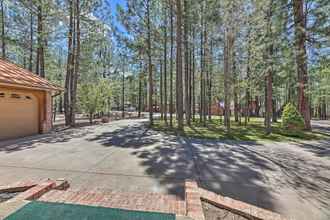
{"x":44,"y":99}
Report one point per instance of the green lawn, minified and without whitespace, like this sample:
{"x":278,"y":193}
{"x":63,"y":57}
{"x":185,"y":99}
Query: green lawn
{"x":254,"y":131}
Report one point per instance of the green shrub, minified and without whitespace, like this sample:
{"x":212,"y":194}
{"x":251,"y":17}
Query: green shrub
{"x":291,"y":118}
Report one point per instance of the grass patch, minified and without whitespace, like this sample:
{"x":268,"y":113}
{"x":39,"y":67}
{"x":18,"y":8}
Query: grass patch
{"x":254,"y":131}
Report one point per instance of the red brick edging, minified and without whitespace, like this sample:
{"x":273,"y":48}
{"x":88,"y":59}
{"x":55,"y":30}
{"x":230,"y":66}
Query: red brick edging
{"x":195,"y":195}
{"x":193,"y":201}
{"x":238,"y":207}
{"x":50,"y":190}
{"x":17,"y":187}
{"x":38,"y":190}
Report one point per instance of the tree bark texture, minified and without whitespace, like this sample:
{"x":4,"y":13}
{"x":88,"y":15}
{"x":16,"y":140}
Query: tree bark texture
{"x":179,"y":64}
{"x":301,"y":60}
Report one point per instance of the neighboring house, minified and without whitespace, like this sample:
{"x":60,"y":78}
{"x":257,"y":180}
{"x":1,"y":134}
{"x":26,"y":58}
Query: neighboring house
{"x":25,"y":102}
{"x":254,"y":108}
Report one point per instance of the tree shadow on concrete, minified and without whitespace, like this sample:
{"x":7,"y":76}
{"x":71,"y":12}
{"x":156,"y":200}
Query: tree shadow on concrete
{"x":245,"y":171}
{"x":31,"y":142}
{"x":287,"y":169}
{"x":229,"y":170}
{"x":321,"y":125}
{"x":161,"y":156}
{"x":306,"y":175}
{"x":133,"y":136}
{"x":318,"y":148}
{"x":173,"y":159}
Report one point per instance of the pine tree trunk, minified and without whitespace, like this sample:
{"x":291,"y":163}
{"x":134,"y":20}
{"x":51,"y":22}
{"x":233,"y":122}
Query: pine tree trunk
{"x":151,"y":88}
{"x":75,"y":74}
{"x":69,"y":70}
{"x":60,"y":104}
{"x":207,"y":89}
{"x":210,"y":82}
{"x":301,"y":60}
{"x":324,"y":109}
{"x":205,"y":67}
{"x":201,"y":104}
{"x":123,"y":96}
{"x":90,"y":118}
{"x":268,"y":103}
{"x":161,"y":92}
{"x":3,"y":40}
{"x":74,"y":44}
{"x":228,"y":53}
{"x":226,"y":84}
{"x":140,"y":91}
{"x":236,"y":104}
{"x":40,"y":68}
{"x":274,"y":111}
{"x":190,"y":80}
{"x":257,"y":101}
{"x":179,"y":65}
{"x":54,"y":109}
{"x":193,"y":78}
{"x":165,"y":65}
{"x":269,"y":71}
{"x":247,"y":92}
{"x":171,"y":65}
{"x":210,"y":97}
{"x":145,"y":96}
{"x":31,"y":38}
{"x":186,"y":63}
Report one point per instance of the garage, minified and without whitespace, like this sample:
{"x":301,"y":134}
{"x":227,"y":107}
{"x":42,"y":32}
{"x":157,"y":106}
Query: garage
{"x":19,"y":114}
{"x":25,"y":102}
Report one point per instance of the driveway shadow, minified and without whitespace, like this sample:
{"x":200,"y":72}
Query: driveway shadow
{"x":173,"y":159}
{"x":245,"y":171}
{"x":230,"y":170}
{"x":160,"y":154}
{"x":31,"y":142}
{"x":134,"y":136}
{"x":318,"y":148}
{"x":321,"y":125}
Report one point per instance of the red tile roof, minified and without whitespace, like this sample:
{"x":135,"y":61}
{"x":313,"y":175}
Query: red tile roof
{"x":13,"y":75}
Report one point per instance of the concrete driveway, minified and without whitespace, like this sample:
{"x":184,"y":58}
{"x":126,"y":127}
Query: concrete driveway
{"x":290,"y":178}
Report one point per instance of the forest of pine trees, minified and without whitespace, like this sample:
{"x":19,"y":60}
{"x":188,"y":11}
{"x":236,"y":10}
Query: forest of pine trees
{"x":181,"y":58}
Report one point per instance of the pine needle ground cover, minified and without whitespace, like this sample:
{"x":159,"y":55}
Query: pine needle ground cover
{"x":254,"y":131}
{"x":55,"y":211}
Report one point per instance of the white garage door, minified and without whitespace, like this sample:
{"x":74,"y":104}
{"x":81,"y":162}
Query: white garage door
{"x":18,"y":114}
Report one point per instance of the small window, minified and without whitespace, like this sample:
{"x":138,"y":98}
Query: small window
{"x":15,"y":96}
{"x":2,"y":95}
{"x":28,"y":97}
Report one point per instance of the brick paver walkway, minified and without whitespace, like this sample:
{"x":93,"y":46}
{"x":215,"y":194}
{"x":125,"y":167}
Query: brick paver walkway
{"x":188,"y":208}
{"x":133,"y":201}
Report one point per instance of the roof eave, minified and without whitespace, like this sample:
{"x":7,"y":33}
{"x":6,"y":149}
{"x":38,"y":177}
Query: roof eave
{"x":56,"y":89}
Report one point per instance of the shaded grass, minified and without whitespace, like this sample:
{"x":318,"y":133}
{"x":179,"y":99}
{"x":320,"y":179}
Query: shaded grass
{"x":254,"y":131}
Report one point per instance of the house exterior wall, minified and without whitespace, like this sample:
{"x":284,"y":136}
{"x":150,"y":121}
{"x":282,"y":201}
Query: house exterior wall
{"x":44,"y":105}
